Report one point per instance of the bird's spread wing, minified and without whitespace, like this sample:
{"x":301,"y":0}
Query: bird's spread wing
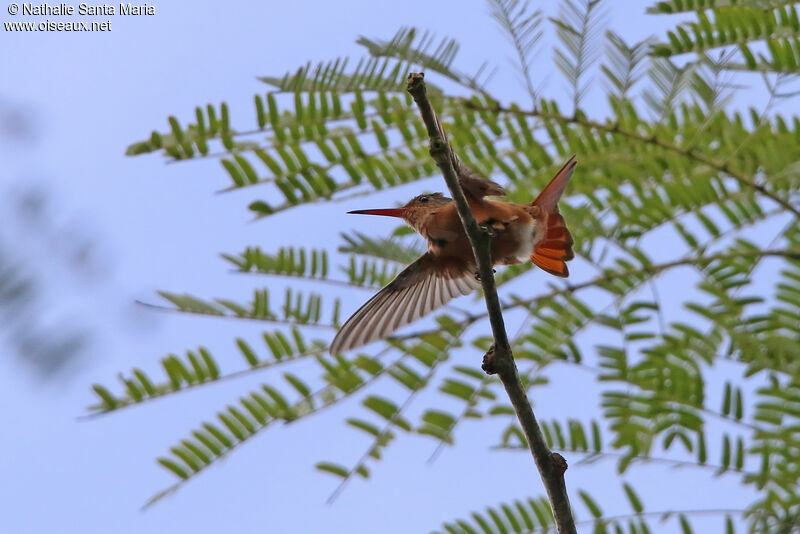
{"x":427,"y":284}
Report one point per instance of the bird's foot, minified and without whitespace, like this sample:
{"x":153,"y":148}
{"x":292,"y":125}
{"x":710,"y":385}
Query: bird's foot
{"x":488,"y":228}
{"x":478,"y":274}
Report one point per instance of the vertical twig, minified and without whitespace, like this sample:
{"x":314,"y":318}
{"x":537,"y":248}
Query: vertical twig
{"x":499,"y":360}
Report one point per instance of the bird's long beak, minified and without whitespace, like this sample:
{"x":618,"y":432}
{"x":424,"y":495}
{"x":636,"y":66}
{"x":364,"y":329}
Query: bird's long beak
{"x":387,"y":212}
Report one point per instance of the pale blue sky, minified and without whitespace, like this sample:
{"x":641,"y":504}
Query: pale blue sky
{"x":161,"y":226}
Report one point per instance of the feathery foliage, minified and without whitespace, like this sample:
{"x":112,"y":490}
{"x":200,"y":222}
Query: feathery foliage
{"x":773,"y":27}
{"x":522,"y":26}
{"x":674,"y":182}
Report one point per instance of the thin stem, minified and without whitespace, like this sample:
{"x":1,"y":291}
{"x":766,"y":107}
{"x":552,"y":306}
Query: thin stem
{"x":223,"y":315}
{"x":165,"y":389}
{"x":499,"y":360}
{"x":330,"y":123}
{"x":662,"y":514}
{"x":386,"y":430}
{"x":299,"y":405}
{"x":504,"y":16}
{"x":326,"y":281}
{"x":591,"y":456}
{"x":702,"y":409}
{"x":615,"y":128}
{"x":483,"y":386}
{"x":653,"y":269}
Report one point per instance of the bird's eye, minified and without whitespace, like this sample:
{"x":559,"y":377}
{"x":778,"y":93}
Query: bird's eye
{"x":423,"y":199}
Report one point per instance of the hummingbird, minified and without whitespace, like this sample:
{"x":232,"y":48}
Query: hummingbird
{"x":519,"y":232}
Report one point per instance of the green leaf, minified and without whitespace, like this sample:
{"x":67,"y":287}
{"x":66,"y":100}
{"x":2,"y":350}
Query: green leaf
{"x":590,"y":504}
{"x":334,"y":469}
{"x":109,"y":401}
{"x":636,"y":504}
{"x":172,"y":466}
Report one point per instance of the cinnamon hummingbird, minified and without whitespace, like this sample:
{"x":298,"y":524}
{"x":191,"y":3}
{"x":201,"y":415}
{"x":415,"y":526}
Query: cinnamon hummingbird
{"x":534,"y":231}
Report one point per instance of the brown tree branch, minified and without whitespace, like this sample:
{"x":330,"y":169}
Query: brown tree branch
{"x":499,"y":359}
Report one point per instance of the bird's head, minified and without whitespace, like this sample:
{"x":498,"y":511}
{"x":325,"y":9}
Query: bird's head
{"x":415,"y":210}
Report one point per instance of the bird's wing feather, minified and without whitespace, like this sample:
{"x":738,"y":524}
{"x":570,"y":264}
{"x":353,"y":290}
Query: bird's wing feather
{"x":425,"y":285}
{"x":475,"y":186}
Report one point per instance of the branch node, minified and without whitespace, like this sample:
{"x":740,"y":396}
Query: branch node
{"x":488,"y":364}
{"x":437,"y":146}
{"x":559,"y":464}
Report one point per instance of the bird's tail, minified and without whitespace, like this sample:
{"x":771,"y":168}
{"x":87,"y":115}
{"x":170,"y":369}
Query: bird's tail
{"x":555,"y":248}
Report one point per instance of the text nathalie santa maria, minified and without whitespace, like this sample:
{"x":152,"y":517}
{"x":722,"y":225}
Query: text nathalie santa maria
{"x":87,"y":9}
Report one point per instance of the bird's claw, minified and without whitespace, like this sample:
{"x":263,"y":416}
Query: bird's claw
{"x":488,"y":229}
{"x":478,"y":274}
